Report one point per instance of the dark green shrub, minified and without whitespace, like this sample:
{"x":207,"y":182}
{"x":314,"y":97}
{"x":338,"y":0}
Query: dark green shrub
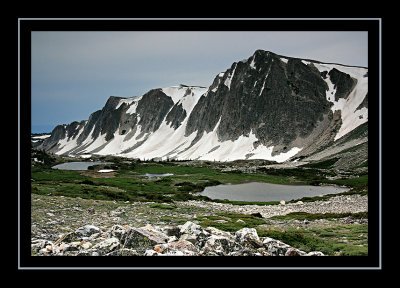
{"x":87,"y":182}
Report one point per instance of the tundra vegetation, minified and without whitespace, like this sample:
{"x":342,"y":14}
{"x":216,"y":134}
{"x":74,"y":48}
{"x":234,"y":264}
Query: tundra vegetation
{"x":332,"y":234}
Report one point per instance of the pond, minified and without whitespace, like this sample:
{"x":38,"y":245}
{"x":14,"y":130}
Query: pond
{"x":265,"y":192}
{"x":152,"y":175}
{"x":77,"y":165}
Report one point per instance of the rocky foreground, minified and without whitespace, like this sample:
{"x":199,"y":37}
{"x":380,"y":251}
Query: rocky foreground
{"x":63,"y":226}
{"x":183,"y":240}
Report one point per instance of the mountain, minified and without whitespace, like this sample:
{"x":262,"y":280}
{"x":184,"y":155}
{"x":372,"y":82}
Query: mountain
{"x":268,"y":106}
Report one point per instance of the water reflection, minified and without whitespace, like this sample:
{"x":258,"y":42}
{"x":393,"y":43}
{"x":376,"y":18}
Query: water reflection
{"x":264,"y":192}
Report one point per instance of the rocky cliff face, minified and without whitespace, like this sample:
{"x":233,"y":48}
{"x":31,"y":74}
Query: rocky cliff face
{"x":275,"y":98}
{"x":267,"y":106}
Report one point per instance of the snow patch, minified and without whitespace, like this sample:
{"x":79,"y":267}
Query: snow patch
{"x":228,"y":79}
{"x":189,"y":101}
{"x":126,"y":101}
{"x":253,"y":63}
{"x":133,"y":105}
{"x":351,"y":117}
{"x":85,"y":155}
{"x":265,"y":79}
{"x":106,"y":170}
{"x":41,"y":136}
{"x":67,"y":144}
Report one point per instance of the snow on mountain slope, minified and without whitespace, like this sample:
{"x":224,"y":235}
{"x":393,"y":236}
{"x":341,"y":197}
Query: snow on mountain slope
{"x":351,"y":116}
{"x":187,"y":96}
{"x":176,"y":127}
{"x":162,"y":141}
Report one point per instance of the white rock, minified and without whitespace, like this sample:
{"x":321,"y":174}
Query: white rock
{"x":107,"y":245}
{"x":87,"y":230}
{"x":151,"y":253}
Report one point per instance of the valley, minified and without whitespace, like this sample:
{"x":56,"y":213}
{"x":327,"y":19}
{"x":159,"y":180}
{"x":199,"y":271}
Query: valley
{"x":267,"y":119}
{"x":65,"y":200}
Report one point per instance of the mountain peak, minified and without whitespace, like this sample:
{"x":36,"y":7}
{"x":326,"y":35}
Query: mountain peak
{"x":264,"y":109}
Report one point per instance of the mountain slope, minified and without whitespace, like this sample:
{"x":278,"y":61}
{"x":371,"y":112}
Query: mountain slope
{"x":265,"y":107}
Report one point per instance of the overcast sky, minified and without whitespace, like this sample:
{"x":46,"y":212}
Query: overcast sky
{"x":74,"y":73}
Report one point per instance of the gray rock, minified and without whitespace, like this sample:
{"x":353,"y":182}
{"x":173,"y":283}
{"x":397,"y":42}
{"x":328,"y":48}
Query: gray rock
{"x":150,"y":252}
{"x":194,"y":233}
{"x":315,"y":253}
{"x":119,"y":212}
{"x":149,"y":241}
{"x":117,"y":231}
{"x":248,"y":237}
{"x":107,"y":246}
{"x":37,"y":245}
{"x":87,"y":231}
{"x":294,"y":252}
{"x":184,"y":247}
{"x":220,"y":245}
{"x":142,"y":239}
{"x":123,"y":252}
{"x":275,"y":247}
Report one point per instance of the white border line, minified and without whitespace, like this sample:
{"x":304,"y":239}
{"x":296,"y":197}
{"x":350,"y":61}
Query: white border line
{"x":19,"y":149}
{"x":211,"y":268}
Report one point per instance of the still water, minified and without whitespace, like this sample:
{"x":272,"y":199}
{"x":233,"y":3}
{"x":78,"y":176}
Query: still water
{"x":264,"y":192}
{"x":152,"y":175}
{"x":77,"y":165}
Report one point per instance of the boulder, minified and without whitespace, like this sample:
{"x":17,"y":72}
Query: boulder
{"x":87,"y":231}
{"x":67,"y":237}
{"x":172,"y":231}
{"x":150,"y":241}
{"x":275,"y":247}
{"x":107,"y":246}
{"x":117,"y":231}
{"x":248,"y":237}
{"x":293,"y":252}
{"x":194,"y":233}
{"x":143,"y":239}
{"x":37,"y":245}
{"x":315,"y":253}
{"x":220,"y":245}
{"x":183,"y":247}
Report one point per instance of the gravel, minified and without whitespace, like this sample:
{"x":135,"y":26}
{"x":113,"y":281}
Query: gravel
{"x":338,"y":204}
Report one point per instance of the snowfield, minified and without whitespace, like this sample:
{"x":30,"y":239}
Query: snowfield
{"x":167,"y":142}
{"x":351,"y":117}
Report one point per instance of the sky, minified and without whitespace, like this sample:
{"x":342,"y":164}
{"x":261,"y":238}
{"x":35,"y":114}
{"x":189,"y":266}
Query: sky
{"x":74,"y":73}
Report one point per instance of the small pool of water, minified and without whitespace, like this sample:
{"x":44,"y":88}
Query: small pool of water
{"x":265,"y":192}
{"x":152,"y":175}
{"x":78,"y":165}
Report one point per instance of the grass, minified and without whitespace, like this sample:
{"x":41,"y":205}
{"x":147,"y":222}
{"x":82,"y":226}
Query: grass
{"x":187,"y":179}
{"x":229,"y":221}
{"x":162,"y":206}
{"x":133,"y":187}
{"x":339,"y":240}
{"x":327,"y":164}
{"x":344,"y":240}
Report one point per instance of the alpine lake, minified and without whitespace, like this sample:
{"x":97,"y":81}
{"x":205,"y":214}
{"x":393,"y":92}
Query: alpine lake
{"x":167,"y":181}
{"x":164,"y":184}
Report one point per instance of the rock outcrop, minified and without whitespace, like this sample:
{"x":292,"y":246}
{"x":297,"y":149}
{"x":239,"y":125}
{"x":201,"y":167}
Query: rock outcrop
{"x":189,"y":239}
